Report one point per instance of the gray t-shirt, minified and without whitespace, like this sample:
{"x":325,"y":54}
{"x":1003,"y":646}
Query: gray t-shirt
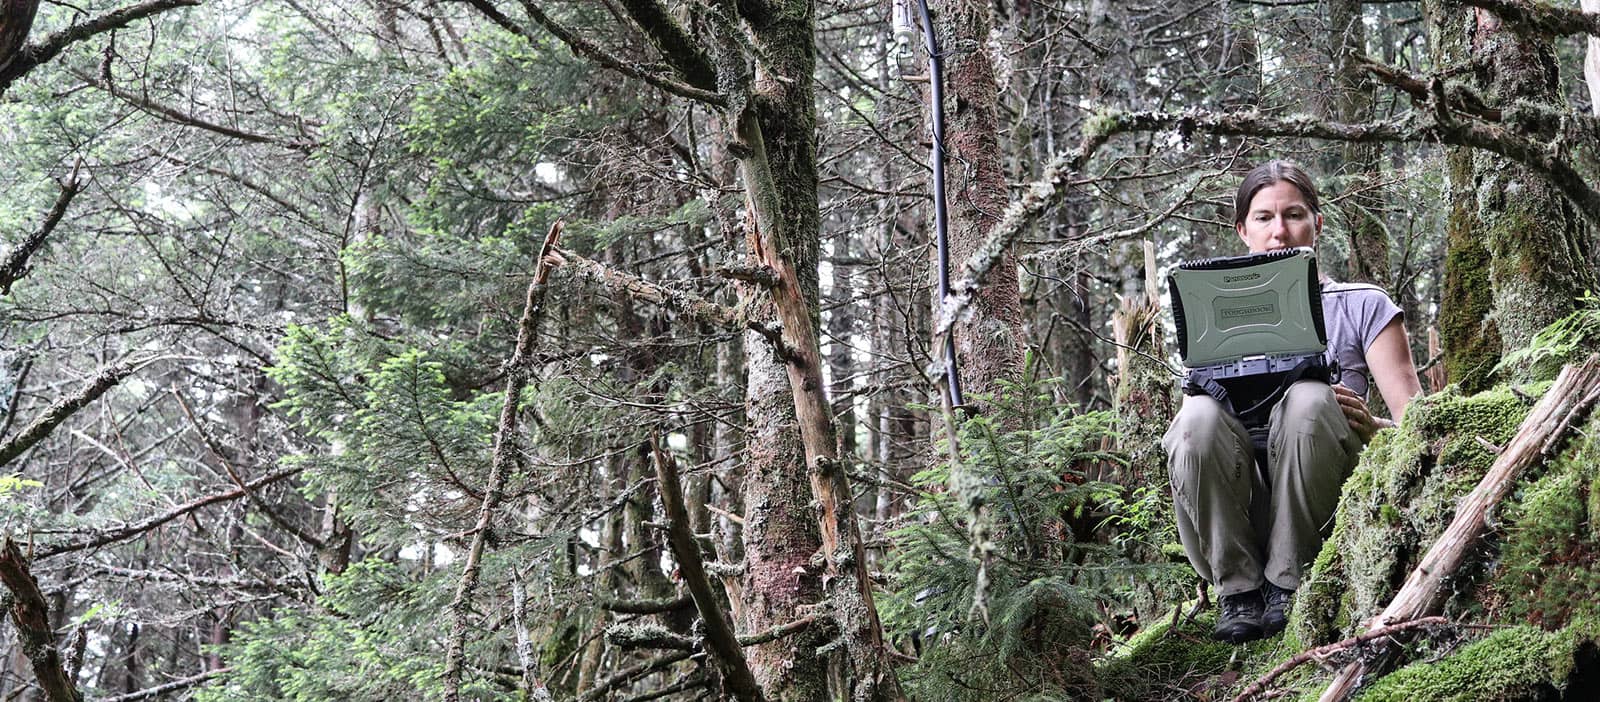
{"x":1354,"y":313}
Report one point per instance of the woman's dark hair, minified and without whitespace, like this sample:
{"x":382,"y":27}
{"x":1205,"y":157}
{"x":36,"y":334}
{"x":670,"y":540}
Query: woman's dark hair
{"x":1272,"y":173}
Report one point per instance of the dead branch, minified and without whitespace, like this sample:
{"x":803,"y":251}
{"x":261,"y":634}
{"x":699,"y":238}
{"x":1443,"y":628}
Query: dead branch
{"x":1566,"y":404}
{"x":165,"y":689}
{"x":755,"y":274}
{"x":216,"y":449}
{"x":616,"y":282}
{"x":1542,"y":19}
{"x":1416,"y":127}
{"x":624,"y":676}
{"x":593,"y":52}
{"x":518,"y":370}
{"x":1457,"y":97}
{"x":16,"y":264}
{"x":176,"y":116}
{"x":720,"y":639}
{"x":33,"y":55}
{"x":1321,"y":652}
{"x":648,"y":606}
{"x":31,"y":615}
{"x":63,"y":408}
{"x":129,"y":531}
{"x":778,"y":632}
{"x":627,"y":637}
{"x":1019,"y":215}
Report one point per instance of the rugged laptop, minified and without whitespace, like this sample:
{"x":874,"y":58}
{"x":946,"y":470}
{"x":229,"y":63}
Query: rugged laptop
{"x":1251,"y":323}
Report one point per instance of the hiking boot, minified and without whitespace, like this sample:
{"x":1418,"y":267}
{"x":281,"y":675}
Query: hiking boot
{"x":1276,"y":615}
{"x":1240,"y":617}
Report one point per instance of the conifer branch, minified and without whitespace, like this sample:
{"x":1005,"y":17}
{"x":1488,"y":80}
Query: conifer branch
{"x":168,"y":688}
{"x":33,"y":55}
{"x":593,"y":52}
{"x":62,"y":409}
{"x":132,"y":530}
{"x":177,"y":116}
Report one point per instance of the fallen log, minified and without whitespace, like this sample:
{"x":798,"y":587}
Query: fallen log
{"x":1566,"y":403}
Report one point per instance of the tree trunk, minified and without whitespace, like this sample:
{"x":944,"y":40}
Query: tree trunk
{"x":989,"y":344}
{"x":778,"y":163}
{"x":1469,"y":334}
{"x":1539,"y":253}
{"x":1352,"y":103}
{"x":1145,"y":399}
{"x":1591,"y":62}
{"x":780,"y":534}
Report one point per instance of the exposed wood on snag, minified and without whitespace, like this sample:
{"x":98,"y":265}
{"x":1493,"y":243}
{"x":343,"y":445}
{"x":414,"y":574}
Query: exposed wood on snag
{"x":1565,"y":405}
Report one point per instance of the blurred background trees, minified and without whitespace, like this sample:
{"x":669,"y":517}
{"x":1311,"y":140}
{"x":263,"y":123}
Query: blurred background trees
{"x":267,"y":262}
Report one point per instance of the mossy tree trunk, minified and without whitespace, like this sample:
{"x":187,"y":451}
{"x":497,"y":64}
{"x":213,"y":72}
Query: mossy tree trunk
{"x":1352,"y":103}
{"x":1537,"y":242}
{"x":1518,"y":252}
{"x":989,"y":344}
{"x":1468,"y":334}
{"x":777,"y":133}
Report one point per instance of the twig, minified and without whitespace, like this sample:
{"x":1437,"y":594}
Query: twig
{"x":1321,"y":652}
{"x":167,"y":688}
{"x":33,"y":55}
{"x":63,"y":408}
{"x":142,"y":526}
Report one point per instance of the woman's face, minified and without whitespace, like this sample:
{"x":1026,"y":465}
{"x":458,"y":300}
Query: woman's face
{"x":1279,"y":218}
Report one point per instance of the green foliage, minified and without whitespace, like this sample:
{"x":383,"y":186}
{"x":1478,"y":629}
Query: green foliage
{"x":1547,"y":571}
{"x":404,"y":449}
{"x":1563,"y":342}
{"x":1161,"y":657}
{"x":376,"y":637}
{"x":1023,"y":470}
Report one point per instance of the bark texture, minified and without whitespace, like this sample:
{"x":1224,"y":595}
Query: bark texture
{"x":1469,"y":334}
{"x":1352,"y":102}
{"x":1536,"y":241}
{"x":989,"y":342}
{"x":1591,"y":62}
{"x":31,"y":615}
{"x":777,"y":131}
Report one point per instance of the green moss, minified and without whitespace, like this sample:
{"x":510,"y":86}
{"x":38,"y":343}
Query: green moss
{"x":1547,"y":574}
{"x":1517,"y":663}
{"x":1400,"y":497}
{"x":1158,"y":658}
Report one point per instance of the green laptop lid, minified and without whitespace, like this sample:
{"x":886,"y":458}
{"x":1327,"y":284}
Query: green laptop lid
{"x":1265,"y":304}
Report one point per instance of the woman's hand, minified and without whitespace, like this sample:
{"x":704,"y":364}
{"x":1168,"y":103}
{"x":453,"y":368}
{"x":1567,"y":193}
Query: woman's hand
{"x":1355,"y":410}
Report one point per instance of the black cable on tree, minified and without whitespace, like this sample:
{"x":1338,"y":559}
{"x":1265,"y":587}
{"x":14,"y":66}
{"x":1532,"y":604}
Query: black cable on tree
{"x":940,"y":217}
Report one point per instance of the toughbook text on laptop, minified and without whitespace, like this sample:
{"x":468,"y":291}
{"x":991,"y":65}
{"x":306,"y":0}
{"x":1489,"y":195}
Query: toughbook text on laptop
{"x":1249,"y":326}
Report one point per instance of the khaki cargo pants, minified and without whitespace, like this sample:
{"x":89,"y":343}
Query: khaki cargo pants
{"x":1241,"y":524}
